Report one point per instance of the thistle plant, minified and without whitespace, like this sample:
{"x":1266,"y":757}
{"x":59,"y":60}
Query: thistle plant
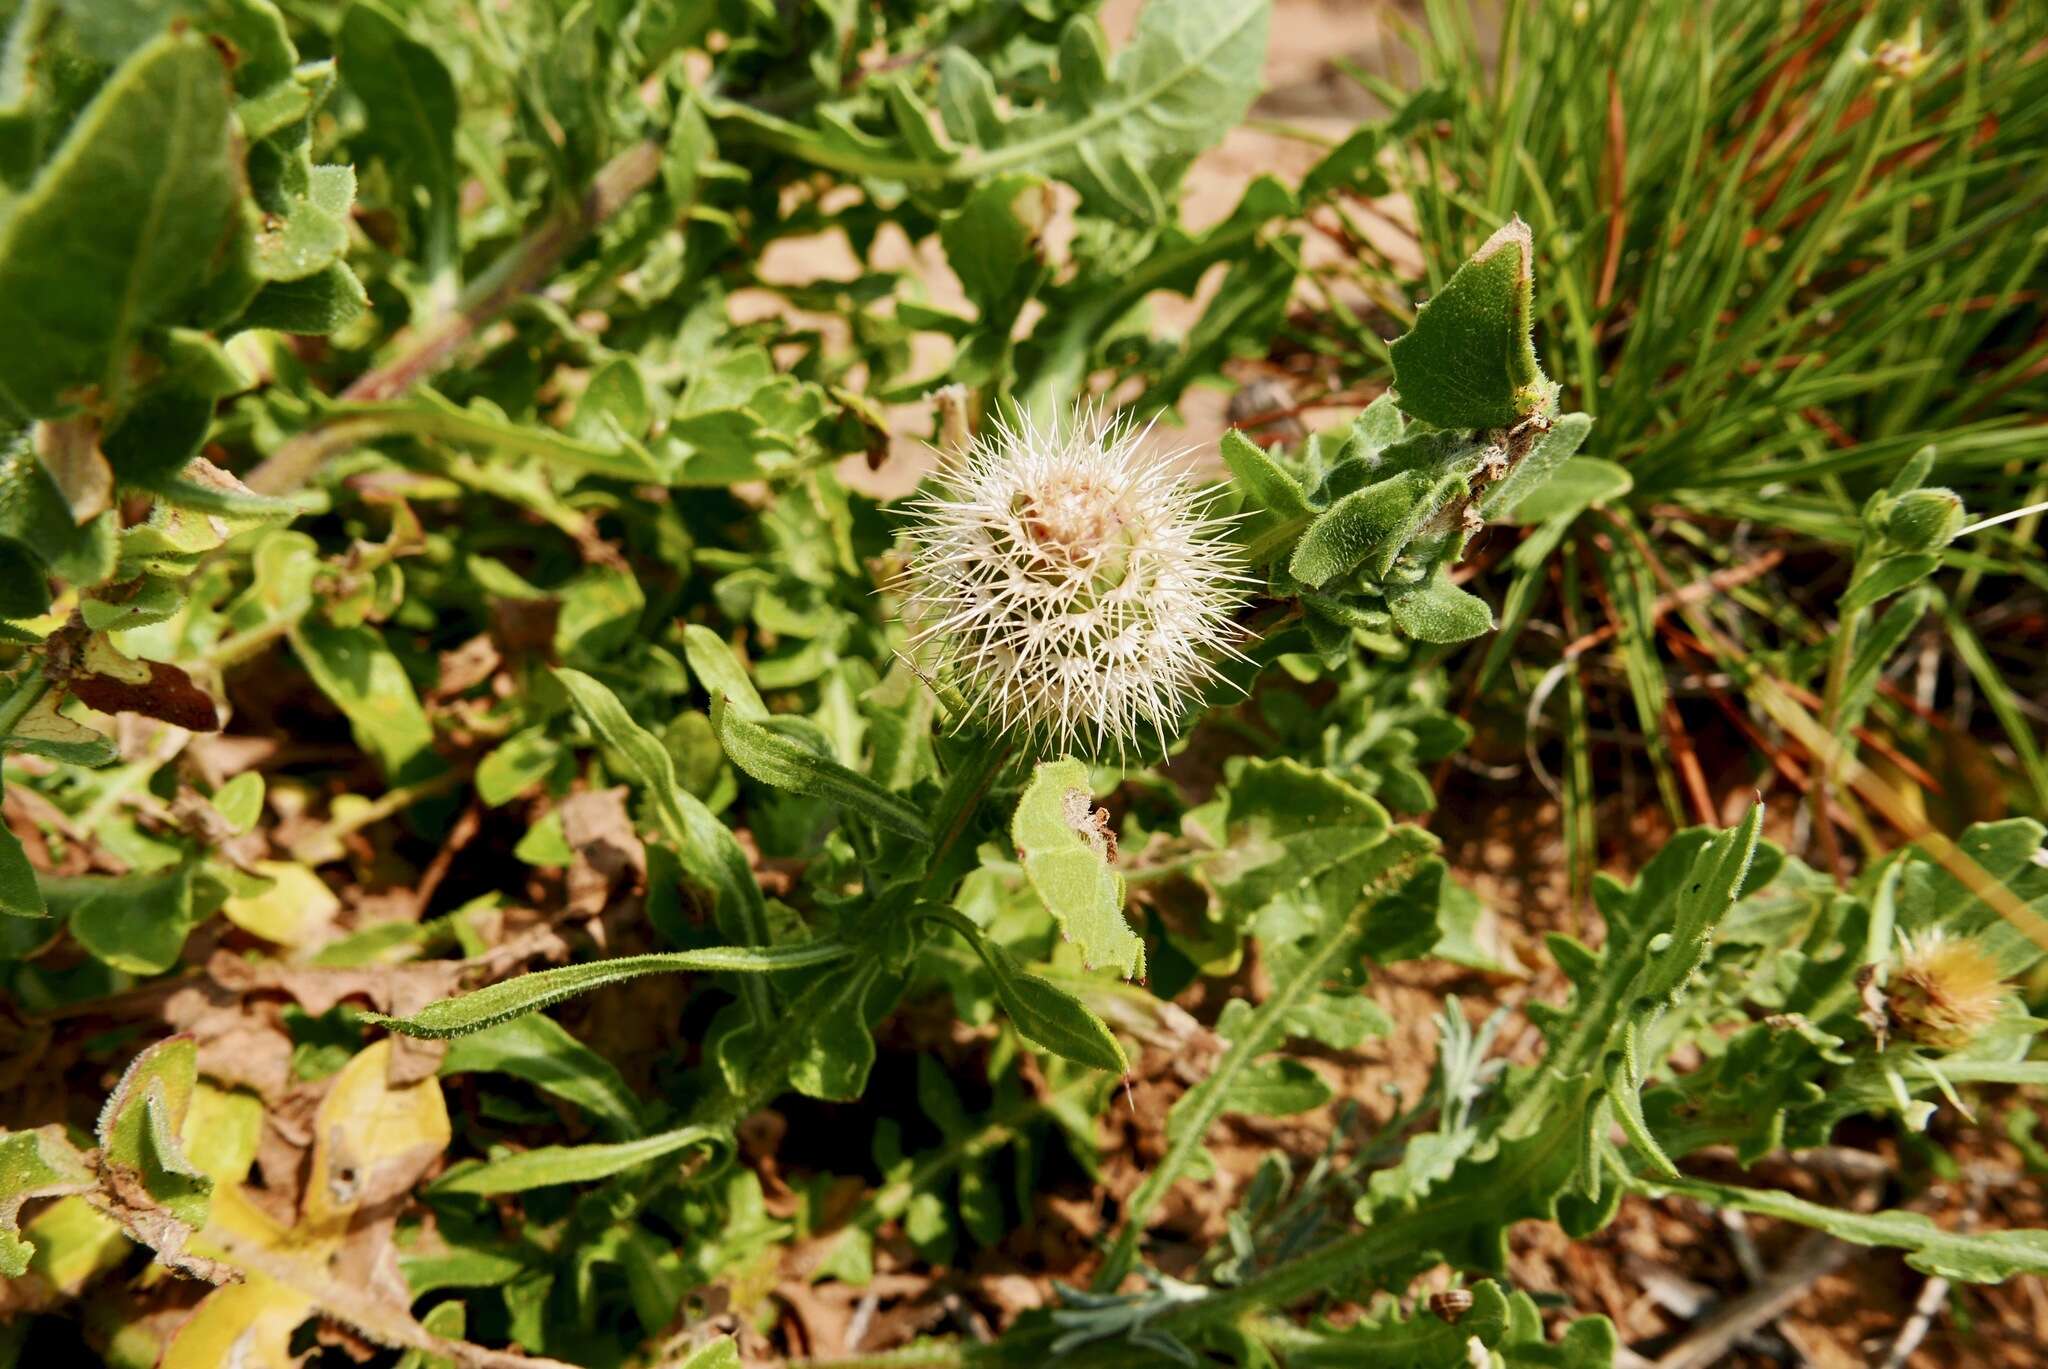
{"x":1944,"y":990}
{"x":1073,"y":587}
{"x":591,"y":668}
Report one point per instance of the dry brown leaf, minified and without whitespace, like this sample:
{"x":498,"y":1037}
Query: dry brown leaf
{"x":399,"y":990}
{"x":609,"y":853}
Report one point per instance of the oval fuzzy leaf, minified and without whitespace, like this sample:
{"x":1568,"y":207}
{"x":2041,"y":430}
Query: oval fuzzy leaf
{"x":139,"y":1127}
{"x":1469,"y":362}
{"x":1272,"y":496}
{"x":548,"y":1165}
{"x":1383,"y":514}
{"x":473,"y":1012}
{"x":1068,"y":864}
{"x":1438,"y":611}
{"x":119,"y":229}
{"x":1046,"y":1014}
{"x":774,"y":759}
{"x":135,"y":923}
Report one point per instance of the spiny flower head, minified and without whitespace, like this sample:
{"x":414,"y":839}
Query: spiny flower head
{"x":1073,"y":588}
{"x":1943,"y":990}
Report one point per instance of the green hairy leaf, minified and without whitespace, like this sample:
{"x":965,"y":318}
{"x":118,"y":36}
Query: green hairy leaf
{"x":538,"y":1050}
{"x":138,"y":1130}
{"x":710,"y":856}
{"x":1470,"y":362}
{"x":34,"y":1164}
{"x":487,"y":1007}
{"x":575,"y":1164}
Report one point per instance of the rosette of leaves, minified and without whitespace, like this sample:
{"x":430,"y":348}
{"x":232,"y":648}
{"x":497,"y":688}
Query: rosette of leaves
{"x":1367,"y":537}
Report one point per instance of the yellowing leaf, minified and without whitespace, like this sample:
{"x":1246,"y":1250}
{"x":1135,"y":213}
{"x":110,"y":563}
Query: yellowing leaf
{"x":248,"y":1325}
{"x":221,"y":1131}
{"x":370,"y":1139}
{"x":297,"y":910}
{"x":74,"y":1243}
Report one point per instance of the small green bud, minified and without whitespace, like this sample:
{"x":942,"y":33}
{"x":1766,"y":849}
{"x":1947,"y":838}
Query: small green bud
{"x":1924,"y":520}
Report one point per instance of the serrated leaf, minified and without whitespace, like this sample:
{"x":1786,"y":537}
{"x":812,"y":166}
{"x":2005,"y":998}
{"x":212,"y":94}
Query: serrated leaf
{"x":1121,"y":132}
{"x":776,"y":760}
{"x":1276,"y":1086}
{"x":1333,"y":944}
{"x":487,"y":1007}
{"x":118,"y":230}
{"x":1069,"y":867}
{"x":1967,"y":1257}
{"x":1469,"y":361}
{"x":1289,"y":827}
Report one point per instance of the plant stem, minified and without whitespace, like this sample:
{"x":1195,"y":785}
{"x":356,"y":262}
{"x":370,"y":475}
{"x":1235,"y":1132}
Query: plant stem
{"x":423,"y":350}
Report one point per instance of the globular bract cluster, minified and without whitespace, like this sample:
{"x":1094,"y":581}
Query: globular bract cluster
{"x":1074,"y":588}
